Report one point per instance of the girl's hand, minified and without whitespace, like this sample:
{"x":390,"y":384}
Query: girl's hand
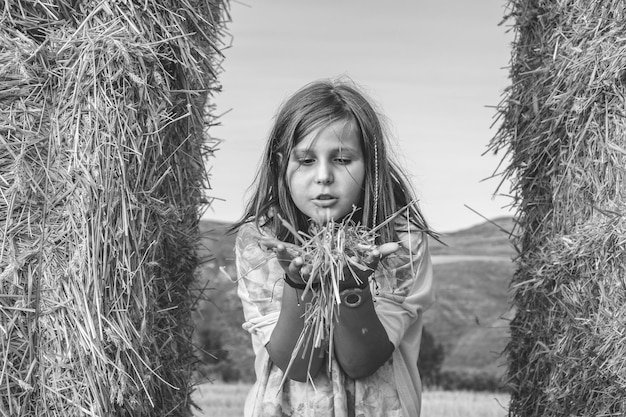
{"x":288,"y":256}
{"x":366,"y":266}
{"x":289,"y":259}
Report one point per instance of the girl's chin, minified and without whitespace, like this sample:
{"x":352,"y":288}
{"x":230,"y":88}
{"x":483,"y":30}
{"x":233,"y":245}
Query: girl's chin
{"x":322,"y":220}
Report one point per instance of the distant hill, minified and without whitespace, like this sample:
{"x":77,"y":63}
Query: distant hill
{"x":470,"y":317}
{"x":472,"y":276}
{"x":486,"y":239}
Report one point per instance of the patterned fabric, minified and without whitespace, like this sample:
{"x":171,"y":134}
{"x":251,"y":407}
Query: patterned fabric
{"x":403,"y":292}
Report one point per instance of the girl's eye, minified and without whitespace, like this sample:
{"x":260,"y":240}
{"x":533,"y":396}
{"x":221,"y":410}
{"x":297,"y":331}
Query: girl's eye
{"x":343,"y":161}
{"x":306,"y":161}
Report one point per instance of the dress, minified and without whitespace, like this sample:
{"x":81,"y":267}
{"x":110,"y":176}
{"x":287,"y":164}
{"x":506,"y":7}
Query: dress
{"x":403,"y":293}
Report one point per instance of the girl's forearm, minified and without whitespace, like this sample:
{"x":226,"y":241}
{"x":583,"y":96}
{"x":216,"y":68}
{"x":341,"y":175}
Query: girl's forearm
{"x":361,"y":344}
{"x":285,"y":337}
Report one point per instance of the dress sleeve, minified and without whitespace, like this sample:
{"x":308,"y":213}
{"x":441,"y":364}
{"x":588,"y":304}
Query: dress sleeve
{"x":405,"y":285}
{"x":259,"y":285}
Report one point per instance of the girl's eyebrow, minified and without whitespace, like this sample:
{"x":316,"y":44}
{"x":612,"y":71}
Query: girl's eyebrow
{"x":344,"y":150}
{"x":339,"y":149}
{"x":296,"y":151}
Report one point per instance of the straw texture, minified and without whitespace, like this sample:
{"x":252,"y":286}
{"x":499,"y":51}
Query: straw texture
{"x":563,"y":134}
{"x":103,"y":119}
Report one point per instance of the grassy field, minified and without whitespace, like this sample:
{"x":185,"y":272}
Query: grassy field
{"x":226,"y":400}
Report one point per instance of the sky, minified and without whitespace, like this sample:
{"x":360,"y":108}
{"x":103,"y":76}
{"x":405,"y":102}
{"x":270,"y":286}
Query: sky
{"x":436,"y":68}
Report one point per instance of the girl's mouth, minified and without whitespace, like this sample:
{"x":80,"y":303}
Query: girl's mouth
{"x":324,"y":200}
{"x":324,"y":197}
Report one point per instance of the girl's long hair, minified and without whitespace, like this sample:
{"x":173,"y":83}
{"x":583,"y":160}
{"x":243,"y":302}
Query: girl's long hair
{"x":320,"y":103}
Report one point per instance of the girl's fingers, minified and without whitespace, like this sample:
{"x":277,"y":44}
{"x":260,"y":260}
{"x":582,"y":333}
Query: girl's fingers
{"x":287,"y":256}
{"x":268,"y":244}
{"x":372,"y":259}
{"x":296,"y":264}
{"x":388,"y":248}
{"x":305,"y":271}
{"x":273,"y":244}
{"x":283,"y":256}
{"x":375,"y":255}
{"x":284,"y":253}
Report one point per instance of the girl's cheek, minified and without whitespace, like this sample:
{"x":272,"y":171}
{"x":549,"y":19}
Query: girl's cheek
{"x":288,"y":178}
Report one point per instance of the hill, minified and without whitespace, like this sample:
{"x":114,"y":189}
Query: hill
{"x":486,"y":239}
{"x":472,"y":275}
{"x":469,"y":319}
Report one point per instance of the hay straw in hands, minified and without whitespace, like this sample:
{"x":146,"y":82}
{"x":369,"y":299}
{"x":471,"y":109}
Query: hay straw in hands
{"x":331,"y":250}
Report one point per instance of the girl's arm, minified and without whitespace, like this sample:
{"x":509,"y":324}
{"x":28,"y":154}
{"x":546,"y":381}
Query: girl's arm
{"x":360,"y":340}
{"x":361,"y":345}
{"x":273,"y":319}
{"x":367,"y":333}
{"x":307,"y":361}
{"x":285,"y":337}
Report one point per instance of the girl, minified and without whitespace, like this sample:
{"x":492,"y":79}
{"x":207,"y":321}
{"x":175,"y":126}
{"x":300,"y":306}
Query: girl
{"x":326,"y":160}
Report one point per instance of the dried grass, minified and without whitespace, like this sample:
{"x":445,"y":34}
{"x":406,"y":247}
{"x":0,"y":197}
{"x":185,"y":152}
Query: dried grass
{"x":102,"y":149}
{"x":332,"y":250}
{"x":563,"y":128}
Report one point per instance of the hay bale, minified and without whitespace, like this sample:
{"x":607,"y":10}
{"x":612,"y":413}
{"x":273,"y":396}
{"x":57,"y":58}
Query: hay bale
{"x":563,"y":129}
{"x":103,"y":140}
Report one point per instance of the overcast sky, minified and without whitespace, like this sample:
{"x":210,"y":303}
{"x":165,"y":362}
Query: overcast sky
{"x":436,"y":68}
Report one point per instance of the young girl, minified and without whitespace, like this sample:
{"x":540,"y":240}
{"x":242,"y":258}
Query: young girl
{"x":326,"y":160}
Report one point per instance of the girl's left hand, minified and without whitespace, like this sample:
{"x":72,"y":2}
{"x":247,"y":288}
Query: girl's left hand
{"x":365,"y":267}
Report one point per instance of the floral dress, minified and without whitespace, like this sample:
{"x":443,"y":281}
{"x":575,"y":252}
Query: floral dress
{"x":402,"y":291}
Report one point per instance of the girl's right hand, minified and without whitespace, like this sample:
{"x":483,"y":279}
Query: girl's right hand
{"x":289,"y":259}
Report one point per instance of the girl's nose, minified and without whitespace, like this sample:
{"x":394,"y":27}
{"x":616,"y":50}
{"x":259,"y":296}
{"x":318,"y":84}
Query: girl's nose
{"x":324,"y":174}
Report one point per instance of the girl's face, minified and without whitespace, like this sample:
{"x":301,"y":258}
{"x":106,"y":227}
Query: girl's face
{"x":326,"y":171}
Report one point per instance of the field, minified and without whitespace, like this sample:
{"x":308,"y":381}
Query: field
{"x":226,"y":400}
